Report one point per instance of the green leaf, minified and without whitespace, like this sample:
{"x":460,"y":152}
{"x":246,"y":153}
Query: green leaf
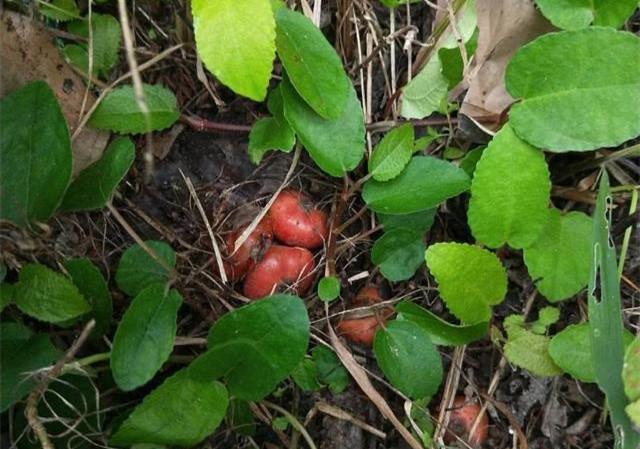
{"x":631,"y":370}
{"x":240,"y":418}
{"x":396,"y":3}
{"x":21,"y":353}
{"x":47,"y":295}
{"x":61,"y":10}
{"x":576,"y":14}
{"x":470,"y":161}
{"x":407,"y":357}
{"x":633,"y":411}
{"x":305,"y":375}
{"x":250,"y":340}
{"x":398,"y":253}
{"x":93,"y":188}
{"x":78,"y":56}
{"x":87,"y":277}
{"x":269,"y":134}
{"x":35,"y":151}
{"x":336,"y":145}
{"x":7,"y":293}
{"x":182,"y":411}
{"x":418,"y":221}
{"x":452,"y":63}
{"x":144,"y":338}
{"x":329,"y":288}
{"x":392,"y":153}
{"x":509,"y":193}
{"x":424,"y":183}
{"x":546,"y":317}
{"x":107,"y":37}
{"x":329,"y":369}
{"x":441,"y":332}
{"x":137,"y":269}
{"x":470,"y":279}
{"x":312,"y":64}
{"x":528,"y":350}
{"x":236,"y":41}
{"x":559,"y":259}
{"x":578,"y":70}
{"x":119,"y":110}
{"x":425,"y":93}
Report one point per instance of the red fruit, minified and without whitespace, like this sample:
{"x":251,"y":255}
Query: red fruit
{"x":462,"y":417}
{"x":237,"y":264}
{"x":363,"y":330}
{"x":280,"y":266}
{"x":296,"y":222}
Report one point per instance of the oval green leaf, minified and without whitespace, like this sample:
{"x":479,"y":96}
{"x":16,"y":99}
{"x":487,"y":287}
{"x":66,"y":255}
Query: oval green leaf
{"x":329,"y":369}
{"x":398,"y":253}
{"x":107,"y":37}
{"x":236,"y":41}
{"x":631,"y":370}
{"x":528,"y":350}
{"x":392,"y":154}
{"x":408,"y":358}
{"x":137,"y":269}
{"x":423,"y":184}
{"x":574,"y":95}
{"x":61,"y":10}
{"x":509,"y":193}
{"x":35,"y":151}
{"x":577,"y":14}
{"x":329,"y":288}
{"x":268,"y":134}
{"x":145,"y":335}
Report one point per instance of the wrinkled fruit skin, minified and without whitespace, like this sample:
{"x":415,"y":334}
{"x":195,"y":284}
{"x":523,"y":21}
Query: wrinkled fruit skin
{"x":238,"y":264}
{"x":461,"y":420}
{"x":363,"y":330}
{"x":296,"y":222}
{"x":280,"y":266}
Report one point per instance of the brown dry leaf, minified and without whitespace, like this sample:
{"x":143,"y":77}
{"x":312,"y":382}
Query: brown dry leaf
{"x":27,"y":53}
{"x":504,"y":26}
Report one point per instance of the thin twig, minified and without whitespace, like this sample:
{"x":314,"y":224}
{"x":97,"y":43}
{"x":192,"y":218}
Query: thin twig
{"x":293,"y":421}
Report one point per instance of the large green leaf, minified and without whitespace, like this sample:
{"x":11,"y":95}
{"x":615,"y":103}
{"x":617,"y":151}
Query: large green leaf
{"x":559,"y":260}
{"x":107,"y":37}
{"x":408,"y":359}
{"x":21,"y":354}
{"x":144,"y":338}
{"x":426,"y":92}
{"x":398,"y":253}
{"x":579,"y":90}
{"x":470,"y":279}
{"x":336,"y":145}
{"x":119,"y":110}
{"x":87,"y":277}
{"x":181,"y":412}
{"x":250,"y":340}
{"x":137,"y":269}
{"x":392,"y":153}
{"x":425,"y":182}
{"x":35,"y":154}
{"x":312,"y":64}
{"x":236,"y":41}
{"x":509,"y":193}
{"x":47,"y":295}
{"x":93,"y":188}
{"x":441,"y":332}
{"x":527,"y":349}
{"x":418,"y":221}
{"x":576,"y":14}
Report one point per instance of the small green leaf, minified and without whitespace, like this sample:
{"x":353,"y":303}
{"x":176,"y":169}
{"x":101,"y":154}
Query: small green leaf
{"x":329,"y":288}
{"x":47,"y":295}
{"x":469,"y":162}
{"x":396,"y":3}
{"x":240,"y":418}
{"x":329,"y":369}
{"x":145,"y":335}
{"x":107,"y":37}
{"x":93,"y":188}
{"x":21,"y":354}
{"x":452,"y":63}
{"x":546,"y":317}
{"x":509,"y":193}
{"x":559,"y":260}
{"x":35,"y":151}
{"x":392,"y":153}
{"x":268,"y":134}
{"x":470,"y":279}
{"x":528,"y":350}
{"x":441,"y":332}
{"x":336,"y":145}
{"x":425,"y":93}
{"x":280,"y":423}
{"x":305,"y":376}
{"x":579,"y":72}
{"x":119,"y":110}
{"x":633,"y":410}
{"x":418,"y":221}
{"x":576,"y":14}
{"x":137,"y":269}
{"x":61,"y":10}
{"x":87,"y":277}
{"x":631,"y":370}
{"x":182,"y":411}
{"x":78,"y":56}
{"x":249,"y":340}
{"x":408,"y":359}
{"x":424,"y":183}
{"x":398,"y":253}
{"x":312,"y":64}
{"x":241,"y":52}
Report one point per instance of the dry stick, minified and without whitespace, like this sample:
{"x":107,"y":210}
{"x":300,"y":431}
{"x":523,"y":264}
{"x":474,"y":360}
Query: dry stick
{"x":38,"y":391}
{"x":456,"y":32}
{"x":216,"y":249}
{"x":450,"y":388}
{"x":293,"y":421}
{"x":338,"y":413}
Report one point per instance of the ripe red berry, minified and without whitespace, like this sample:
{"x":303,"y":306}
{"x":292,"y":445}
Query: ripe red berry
{"x":462,"y":417}
{"x":297,"y":222}
{"x":237,"y":264}
{"x":363,"y":330}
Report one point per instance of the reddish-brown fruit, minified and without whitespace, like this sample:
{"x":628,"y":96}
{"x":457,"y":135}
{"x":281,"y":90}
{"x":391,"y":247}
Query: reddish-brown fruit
{"x":239,"y":263}
{"x":463,"y":415}
{"x":297,"y":222}
{"x":363,"y":330}
{"x":280,"y":266}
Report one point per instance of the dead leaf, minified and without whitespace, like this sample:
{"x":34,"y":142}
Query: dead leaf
{"x":27,"y":53}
